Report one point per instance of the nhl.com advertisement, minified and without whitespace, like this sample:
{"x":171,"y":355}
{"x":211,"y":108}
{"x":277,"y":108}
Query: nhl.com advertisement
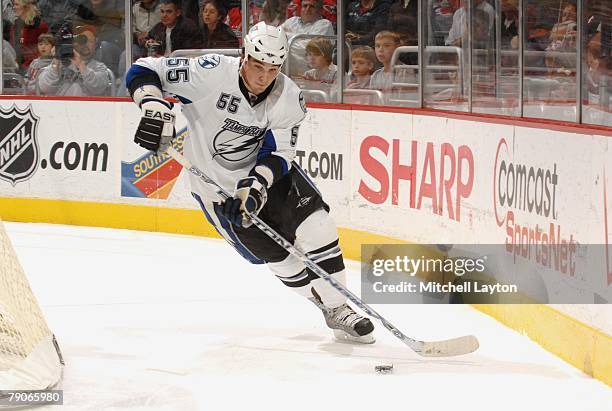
{"x":28,"y":150}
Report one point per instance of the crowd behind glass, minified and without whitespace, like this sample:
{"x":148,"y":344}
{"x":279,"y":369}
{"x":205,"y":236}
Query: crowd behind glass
{"x":533,"y":58}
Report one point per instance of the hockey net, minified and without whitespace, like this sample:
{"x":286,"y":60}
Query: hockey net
{"x":30,"y":358}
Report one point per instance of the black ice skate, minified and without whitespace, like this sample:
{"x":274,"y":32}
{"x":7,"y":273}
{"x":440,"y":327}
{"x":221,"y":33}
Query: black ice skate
{"x":346,"y":324}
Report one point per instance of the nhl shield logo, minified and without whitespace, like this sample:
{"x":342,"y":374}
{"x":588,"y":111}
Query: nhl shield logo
{"x":18,"y":146}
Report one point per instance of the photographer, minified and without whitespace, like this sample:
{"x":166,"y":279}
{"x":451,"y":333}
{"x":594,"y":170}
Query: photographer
{"x":73,"y":71}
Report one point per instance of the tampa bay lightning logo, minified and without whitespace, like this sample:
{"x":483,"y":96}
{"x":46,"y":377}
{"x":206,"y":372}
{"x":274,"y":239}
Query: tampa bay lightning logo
{"x":235,"y":142}
{"x":303,"y":102}
{"x":209,"y":61}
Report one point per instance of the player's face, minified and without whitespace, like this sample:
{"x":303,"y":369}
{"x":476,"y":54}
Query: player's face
{"x":384,"y":49}
{"x":361,"y":66}
{"x":169,"y":13}
{"x":259,"y":75}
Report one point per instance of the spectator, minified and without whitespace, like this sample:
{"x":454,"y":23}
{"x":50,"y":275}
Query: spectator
{"x":145,"y":15}
{"x":215,"y":33}
{"x":537,"y":40}
{"x":191,"y":10}
{"x":328,"y":10}
{"x":364,"y":18}
{"x":439,"y":20}
{"x":25,"y":31}
{"x":46,"y":44}
{"x":234,"y":15}
{"x":459,"y":27}
{"x":8,"y":15}
{"x":9,"y":58}
{"x":594,"y":69}
{"x":310,"y":21}
{"x":363,"y":61}
{"x":319,"y":56}
{"x":385,"y":44}
{"x":81,"y":75}
{"x":58,"y":12}
{"x":404,"y":19}
{"x":563,"y":34}
{"x":174,"y":32}
{"x":481,"y":36}
{"x":510,"y":23}
{"x":274,"y":12}
{"x":106,"y":16}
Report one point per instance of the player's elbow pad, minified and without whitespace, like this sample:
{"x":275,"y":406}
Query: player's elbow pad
{"x":144,"y":91}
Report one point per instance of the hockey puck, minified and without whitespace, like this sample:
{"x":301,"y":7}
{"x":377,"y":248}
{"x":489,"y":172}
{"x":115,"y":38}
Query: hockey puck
{"x":383,"y":368}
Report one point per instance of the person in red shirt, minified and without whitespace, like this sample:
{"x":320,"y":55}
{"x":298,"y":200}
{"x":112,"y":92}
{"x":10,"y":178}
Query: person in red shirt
{"x":24,"y":32}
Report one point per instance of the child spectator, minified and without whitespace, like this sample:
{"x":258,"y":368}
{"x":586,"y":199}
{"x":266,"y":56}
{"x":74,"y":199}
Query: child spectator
{"x":385,"y":44}
{"x":363,"y":61}
{"x":319,"y":56}
{"x":46,"y":44}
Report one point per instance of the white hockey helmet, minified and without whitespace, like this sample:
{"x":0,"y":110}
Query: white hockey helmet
{"x":266,"y":43}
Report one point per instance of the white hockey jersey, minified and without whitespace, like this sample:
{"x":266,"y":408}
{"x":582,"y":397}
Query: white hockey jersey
{"x":226,"y":134}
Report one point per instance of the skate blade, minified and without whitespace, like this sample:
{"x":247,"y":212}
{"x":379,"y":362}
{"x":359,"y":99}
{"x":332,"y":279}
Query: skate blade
{"x":346,"y":337}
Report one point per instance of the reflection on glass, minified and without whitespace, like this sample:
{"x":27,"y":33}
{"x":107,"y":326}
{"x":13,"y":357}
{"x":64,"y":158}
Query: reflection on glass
{"x":550,"y":60}
{"x":596,"y":68}
{"x":312,"y":67}
{"x":62,"y":48}
{"x":312,"y":49}
{"x":445,"y":51}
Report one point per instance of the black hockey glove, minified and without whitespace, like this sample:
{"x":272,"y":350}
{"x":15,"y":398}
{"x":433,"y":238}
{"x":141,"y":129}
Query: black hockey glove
{"x":250,"y":196}
{"x":156,"y":129}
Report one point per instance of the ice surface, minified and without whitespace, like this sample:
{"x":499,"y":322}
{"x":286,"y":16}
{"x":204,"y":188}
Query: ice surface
{"x":150,"y":321}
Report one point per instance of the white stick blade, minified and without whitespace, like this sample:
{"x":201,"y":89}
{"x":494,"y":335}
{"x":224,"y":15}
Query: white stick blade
{"x":449,"y":348}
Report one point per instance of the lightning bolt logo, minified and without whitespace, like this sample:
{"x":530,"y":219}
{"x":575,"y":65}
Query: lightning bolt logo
{"x":235,"y":142}
{"x":235,"y":145}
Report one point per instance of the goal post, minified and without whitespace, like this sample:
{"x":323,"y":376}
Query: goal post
{"x":30,"y":358}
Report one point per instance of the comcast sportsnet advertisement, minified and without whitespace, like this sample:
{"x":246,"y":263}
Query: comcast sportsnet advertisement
{"x":460,"y":182}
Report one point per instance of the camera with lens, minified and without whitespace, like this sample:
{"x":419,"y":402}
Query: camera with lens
{"x":64,"y":43}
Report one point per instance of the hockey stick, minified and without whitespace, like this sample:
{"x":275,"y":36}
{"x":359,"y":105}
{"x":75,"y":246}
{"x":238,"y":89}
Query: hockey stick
{"x":443,"y":348}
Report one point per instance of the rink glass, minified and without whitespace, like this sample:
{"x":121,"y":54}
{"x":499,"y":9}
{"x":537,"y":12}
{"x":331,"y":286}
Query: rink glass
{"x":540,"y":59}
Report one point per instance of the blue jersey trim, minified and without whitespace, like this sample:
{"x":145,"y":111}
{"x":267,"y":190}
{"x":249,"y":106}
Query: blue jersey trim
{"x":268,"y":148}
{"x":183,"y":100}
{"x":137,"y":70}
{"x":233,"y":238}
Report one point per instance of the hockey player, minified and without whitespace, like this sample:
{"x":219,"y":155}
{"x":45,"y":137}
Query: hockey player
{"x":243,"y":117}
